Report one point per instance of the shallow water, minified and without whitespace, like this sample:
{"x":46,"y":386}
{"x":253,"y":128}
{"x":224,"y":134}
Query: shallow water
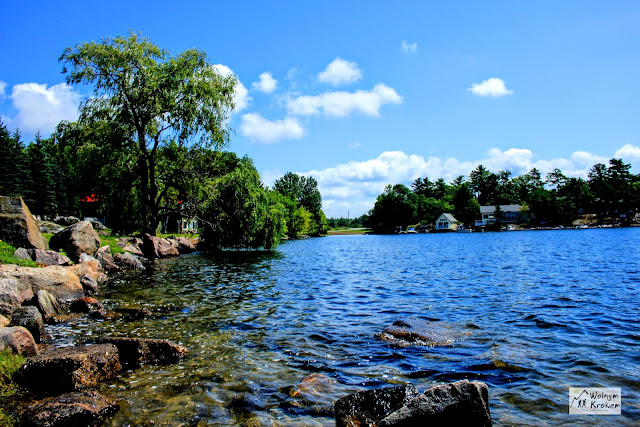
{"x":530,"y":313}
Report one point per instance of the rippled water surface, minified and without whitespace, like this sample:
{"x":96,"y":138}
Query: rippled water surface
{"x":530,"y":313}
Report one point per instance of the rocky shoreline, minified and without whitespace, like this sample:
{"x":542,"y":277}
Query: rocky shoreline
{"x":59,"y":381}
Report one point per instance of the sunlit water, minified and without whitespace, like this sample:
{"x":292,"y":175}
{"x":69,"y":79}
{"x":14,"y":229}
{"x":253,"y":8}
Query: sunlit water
{"x":531,"y":313}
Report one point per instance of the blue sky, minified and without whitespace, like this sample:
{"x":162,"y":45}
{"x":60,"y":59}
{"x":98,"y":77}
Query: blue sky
{"x":364,"y":94}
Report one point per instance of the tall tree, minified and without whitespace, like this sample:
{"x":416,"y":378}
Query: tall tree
{"x":150,"y":97}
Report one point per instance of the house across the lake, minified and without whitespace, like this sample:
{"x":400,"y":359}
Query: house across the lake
{"x":446,"y":222}
{"x":511,"y":214}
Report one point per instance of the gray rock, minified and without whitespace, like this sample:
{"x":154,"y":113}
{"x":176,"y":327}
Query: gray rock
{"x":107,"y":262}
{"x":89,"y":284}
{"x":22,"y":253}
{"x":128,"y":261}
{"x":459,"y":403}
{"x":9,"y":292}
{"x":78,"y":239}
{"x":135,"y":352}
{"x":87,"y":258}
{"x":104,"y":249}
{"x":30,"y":318}
{"x":48,"y":306}
{"x":17,"y":225}
{"x":18,"y":340}
{"x":367,"y":408}
{"x":69,"y":369}
{"x":48,"y":257}
{"x":133,"y":249}
{"x":71,"y":409}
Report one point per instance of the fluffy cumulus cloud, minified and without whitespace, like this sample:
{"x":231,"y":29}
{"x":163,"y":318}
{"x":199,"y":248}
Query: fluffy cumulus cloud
{"x":340,"y":72}
{"x":343,"y":104}
{"x":257,"y":128}
{"x":266,"y":84}
{"x":409,"y":47}
{"x":41,"y":108}
{"x":241,"y":96}
{"x":494,"y":87}
{"x":353,"y":187}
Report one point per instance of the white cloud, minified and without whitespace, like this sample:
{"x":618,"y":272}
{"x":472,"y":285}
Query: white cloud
{"x":629,"y":154}
{"x":340,"y":72}
{"x":241,"y":96}
{"x":409,"y":47}
{"x":354,"y":186}
{"x":343,"y":104}
{"x":267,"y":83}
{"x":354,"y":145}
{"x":3,"y":86}
{"x":41,"y":108}
{"x":257,"y":128}
{"x":494,"y":87}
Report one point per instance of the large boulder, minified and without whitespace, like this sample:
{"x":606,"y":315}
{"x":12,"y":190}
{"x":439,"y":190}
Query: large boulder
{"x":155,"y":247}
{"x":69,"y":369}
{"x":91,"y":267}
{"x":18,"y":340}
{"x":17,"y":225}
{"x":30,"y":318}
{"x":75,"y":240}
{"x":62,"y":282}
{"x":367,"y":408}
{"x":12,"y":290}
{"x":135,"y":352}
{"x":461,"y":403}
{"x":107,"y":262}
{"x":71,"y":409}
{"x":183,"y":244}
{"x":128,"y":261}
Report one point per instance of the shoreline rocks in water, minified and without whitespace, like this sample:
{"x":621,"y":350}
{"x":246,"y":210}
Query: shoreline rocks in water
{"x":412,"y":331}
{"x":86,"y":408}
{"x":460,"y":403}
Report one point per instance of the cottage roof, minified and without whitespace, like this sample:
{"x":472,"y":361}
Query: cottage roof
{"x":503,"y":208}
{"x":449,"y":217}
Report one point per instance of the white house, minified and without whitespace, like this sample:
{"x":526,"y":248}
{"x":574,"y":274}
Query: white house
{"x":446,"y":221}
{"x":511,"y":214}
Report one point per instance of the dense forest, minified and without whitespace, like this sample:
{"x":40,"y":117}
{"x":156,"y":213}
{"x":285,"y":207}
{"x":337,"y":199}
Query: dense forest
{"x":150,"y":143}
{"x":610,"y":191}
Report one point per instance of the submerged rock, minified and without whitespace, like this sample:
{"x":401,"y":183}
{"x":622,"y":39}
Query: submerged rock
{"x":412,"y":331}
{"x":88,"y":305}
{"x":69,"y":369}
{"x":70,"y":409}
{"x":367,"y":408}
{"x":135,"y":352}
{"x":460,"y":403}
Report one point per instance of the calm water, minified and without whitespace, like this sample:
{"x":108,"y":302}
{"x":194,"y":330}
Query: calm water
{"x":531,"y":313}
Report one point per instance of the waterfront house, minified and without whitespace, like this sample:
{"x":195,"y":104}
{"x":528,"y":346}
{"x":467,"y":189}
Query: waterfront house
{"x":446,"y":222}
{"x":511,"y":214}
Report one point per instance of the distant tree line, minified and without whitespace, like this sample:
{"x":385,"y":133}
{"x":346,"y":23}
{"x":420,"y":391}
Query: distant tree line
{"x":610,"y":191}
{"x":347,"y":222}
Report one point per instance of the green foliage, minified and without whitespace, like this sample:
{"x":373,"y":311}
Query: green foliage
{"x":239,"y":212}
{"x":6,"y":256}
{"x":9,"y":364}
{"x":302,"y":199}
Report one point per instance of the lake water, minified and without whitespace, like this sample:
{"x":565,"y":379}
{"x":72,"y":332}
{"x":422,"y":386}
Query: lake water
{"x":530,"y":313}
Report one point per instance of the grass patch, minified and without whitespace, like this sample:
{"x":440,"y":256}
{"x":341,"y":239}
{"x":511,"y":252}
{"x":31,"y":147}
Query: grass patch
{"x":9,"y":364}
{"x":112,"y":242}
{"x":6,"y":256}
